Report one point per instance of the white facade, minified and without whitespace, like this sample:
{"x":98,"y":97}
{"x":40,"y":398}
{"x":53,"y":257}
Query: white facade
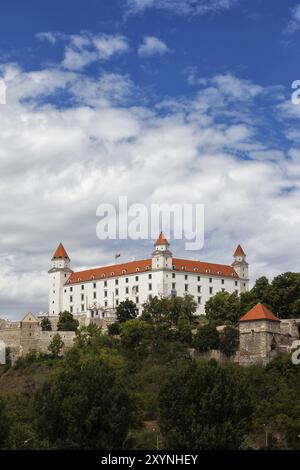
{"x":97,"y":292}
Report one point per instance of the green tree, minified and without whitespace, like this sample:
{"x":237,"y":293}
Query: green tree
{"x":285,"y":290}
{"x":56,"y":345}
{"x":156,"y":311}
{"x":136,"y":336}
{"x":46,"y":324}
{"x":181,"y":307}
{"x":114,"y":329}
{"x":223,"y":308}
{"x":206,"y":338}
{"x":184,"y":332}
{"x":85,"y":405}
{"x":4,"y":425}
{"x":67,"y":322}
{"x":205,"y":406}
{"x":229,"y":341}
{"x":126,"y":310}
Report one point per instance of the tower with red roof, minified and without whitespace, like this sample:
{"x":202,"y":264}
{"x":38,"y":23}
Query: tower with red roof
{"x":241,"y":267}
{"x":58,"y":275}
{"x":260,"y":336}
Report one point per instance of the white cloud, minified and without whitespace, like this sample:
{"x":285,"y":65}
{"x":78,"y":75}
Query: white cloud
{"x":152,"y":46}
{"x":58,"y":164}
{"x":294,"y":22}
{"x":180,"y":7}
{"x":85,"y":48}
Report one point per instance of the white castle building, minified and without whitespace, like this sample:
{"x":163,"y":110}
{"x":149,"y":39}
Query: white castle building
{"x":97,"y":292}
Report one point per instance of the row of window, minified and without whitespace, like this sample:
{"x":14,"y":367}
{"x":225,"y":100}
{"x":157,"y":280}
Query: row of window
{"x":149,"y":277}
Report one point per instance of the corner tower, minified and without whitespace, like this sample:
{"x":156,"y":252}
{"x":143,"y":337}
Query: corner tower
{"x":58,"y":275}
{"x":241,"y":267}
{"x":161,"y":256}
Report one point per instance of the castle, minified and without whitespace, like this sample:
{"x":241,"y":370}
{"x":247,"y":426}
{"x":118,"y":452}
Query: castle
{"x":92,"y":296}
{"x":97,"y":292}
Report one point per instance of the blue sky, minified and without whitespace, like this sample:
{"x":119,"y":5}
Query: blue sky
{"x":146,"y":98}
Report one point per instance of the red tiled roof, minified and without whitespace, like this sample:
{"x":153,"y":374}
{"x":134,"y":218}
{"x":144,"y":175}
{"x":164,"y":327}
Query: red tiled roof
{"x":204,"y":268}
{"x":239,"y":251}
{"x":161,"y":240}
{"x":111,"y":271}
{"x":60,"y":252}
{"x":144,"y":265}
{"x":259,"y":312}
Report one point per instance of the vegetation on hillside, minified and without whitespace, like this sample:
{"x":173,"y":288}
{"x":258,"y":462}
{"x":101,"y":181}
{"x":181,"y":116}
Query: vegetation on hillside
{"x":141,"y":388}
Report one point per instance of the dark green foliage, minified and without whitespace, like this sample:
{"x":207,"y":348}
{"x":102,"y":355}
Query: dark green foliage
{"x":167,"y":311}
{"x":206,"y":338}
{"x":67,"y":322}
{"x":126,"y":311}
{"x":223,"y":308}
{"x":205,"y":406}
{"x":4,"y":425}
{"x":114,"y":329}
{"x":85,"y":405}
{"x":46,"y":324}
{"x":229,"y":341}
{"x":56,"y":345}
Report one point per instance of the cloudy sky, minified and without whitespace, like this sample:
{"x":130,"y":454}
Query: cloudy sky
{"x":163,"y":101}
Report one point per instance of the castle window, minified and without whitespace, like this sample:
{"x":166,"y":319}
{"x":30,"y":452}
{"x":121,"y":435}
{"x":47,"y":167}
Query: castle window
{"x":186,"y":287}
{"x":126,"y":280}
{"x":149,"y":276}
{"x":117,"y":302}
{"x":186,"y":277}
{"x":79,"y":279}
{"x":137,"y":269}
{"x":150,"y":286}
{"x":105,"y":283}
{"x":173,"y":285}
{"x":236,"y":291}
{"x":136,"y":300}
{"x":94,"y":285}
{"x":199,"y":300}
{"x":236,"y":283}
{"x":71,"y":298}
{"x":147,"y":268}
{"x":71,"y":289}
{"x":92,"y":277}
{"x":199,"y":288}
{"x":82,"y":287}
{"x":127,"y":290}
{"x":65,"y":291}
{"x":116,"y":281}
{"x":71,"y":309}
{"x":198,"y":278}
{"x":150,"y":297}
{"x":174,"y":267}
{"x":103,"y":275}
{"x":117,"y":291}
{"x":112,"y":273}
{"x":82,"y":308}
{"x":211,"y":290}
{"x":105,"y":293}
{"x":82,"y":296}
{"x":196,"y":270}
{"x":136,"y":278}
{"x":95,"y":295}
{"x":105,"y":303}
{"x":124,"y":271}
{"x":173,"y":275}
{"x":210,"y":279}
{"x":222,"y":281}
{"x":252,"y":332}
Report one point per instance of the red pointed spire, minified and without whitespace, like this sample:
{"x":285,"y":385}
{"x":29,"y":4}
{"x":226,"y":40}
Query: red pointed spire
{"x":60,"y":252}
{"x":259,"y":312}
{"x":161,"y":240}
{"x":239,"y":251}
